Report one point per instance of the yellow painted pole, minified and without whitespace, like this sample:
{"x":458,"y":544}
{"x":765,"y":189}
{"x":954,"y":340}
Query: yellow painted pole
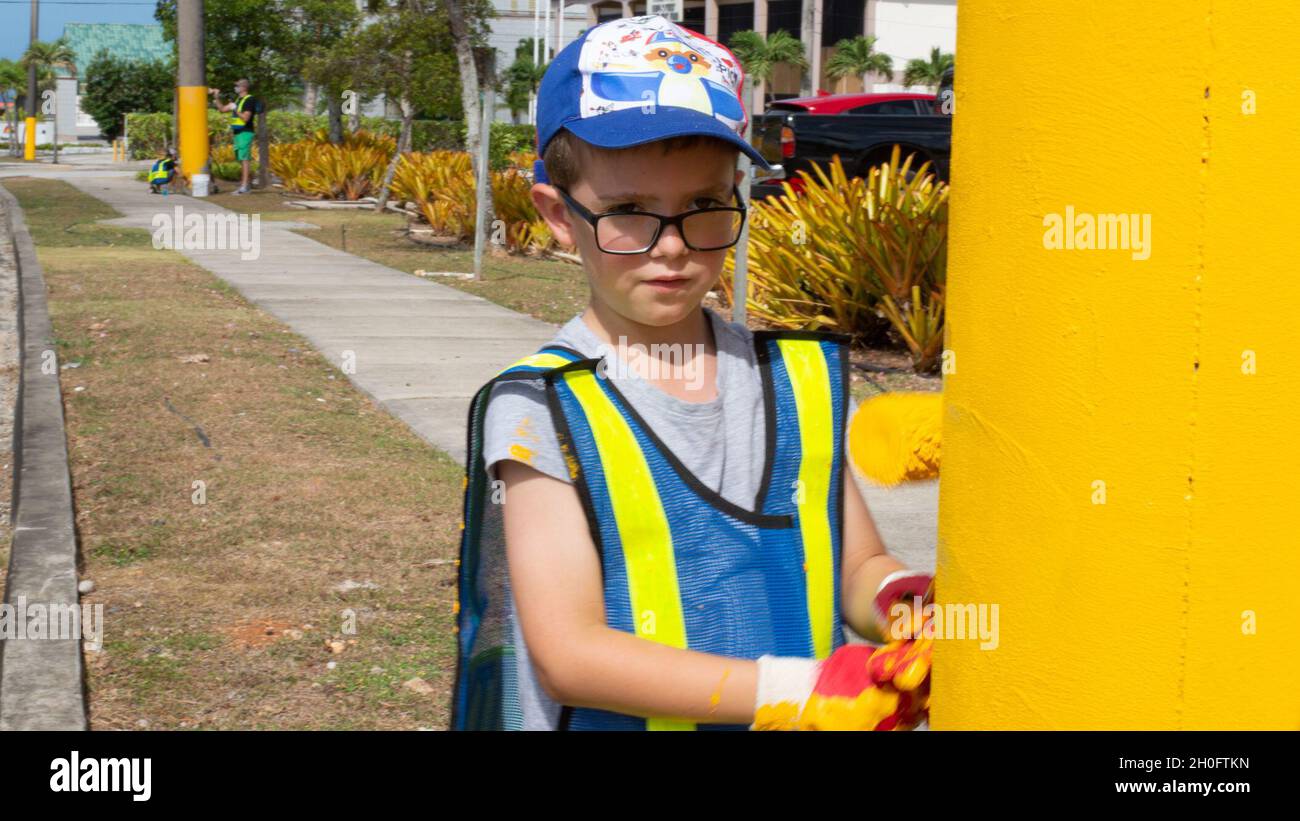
{"x":1120,"y":473}
{"x":193,"y":128}
{"x":191,"y":88}
{"x":29,"y":139}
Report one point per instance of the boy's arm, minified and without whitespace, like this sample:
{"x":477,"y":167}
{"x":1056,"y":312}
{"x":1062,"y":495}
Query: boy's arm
{"x":556,"y":578}
{"x":865,"y":564}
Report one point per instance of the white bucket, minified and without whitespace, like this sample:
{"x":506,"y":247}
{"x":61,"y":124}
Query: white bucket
{"x":199,"y":185}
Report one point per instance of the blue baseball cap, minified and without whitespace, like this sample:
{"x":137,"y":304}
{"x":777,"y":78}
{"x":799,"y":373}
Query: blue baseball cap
{"x":638,"y":80}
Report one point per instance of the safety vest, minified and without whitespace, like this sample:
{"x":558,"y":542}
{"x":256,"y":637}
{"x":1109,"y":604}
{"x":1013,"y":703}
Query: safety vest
{"x":681,"y":565}
{"x":237,"y":123}
{"x":161,"y":170}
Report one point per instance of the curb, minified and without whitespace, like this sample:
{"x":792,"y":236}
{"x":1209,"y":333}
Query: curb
{"x":41,"y":681}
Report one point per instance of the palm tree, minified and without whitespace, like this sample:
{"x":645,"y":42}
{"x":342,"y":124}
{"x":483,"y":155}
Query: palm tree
{"x":47,"y":56}
{"x":522,"y":78}
{"x":760,"y":56}
{"x":857,"y":57}
{"x":927,"y":72}
{"x":13,"y":84}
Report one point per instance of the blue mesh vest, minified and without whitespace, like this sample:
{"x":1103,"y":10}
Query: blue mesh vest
{"x":680,"y":564}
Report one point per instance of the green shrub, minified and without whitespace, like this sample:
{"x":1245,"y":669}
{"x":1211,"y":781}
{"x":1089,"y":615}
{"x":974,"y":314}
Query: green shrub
{"x":151,"y":133}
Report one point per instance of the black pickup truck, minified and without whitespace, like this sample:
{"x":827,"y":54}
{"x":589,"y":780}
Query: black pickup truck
{"x":862,"y":129}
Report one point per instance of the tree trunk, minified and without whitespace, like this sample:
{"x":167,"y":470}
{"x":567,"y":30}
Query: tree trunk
{"x":263,"y":151}
{"x":808,"y":83}
{"x":403,"y":145}
{"x":469,"y":97}
{"x":335,"y":109}
{"x":469,"y":90}
{"x":354,"y":119}
{"x":309,"y":95}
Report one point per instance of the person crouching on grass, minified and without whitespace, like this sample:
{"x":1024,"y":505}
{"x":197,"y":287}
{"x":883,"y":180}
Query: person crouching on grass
{"x":664,"y":547}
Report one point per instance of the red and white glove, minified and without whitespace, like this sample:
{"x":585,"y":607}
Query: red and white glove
{"x":859,"y":687}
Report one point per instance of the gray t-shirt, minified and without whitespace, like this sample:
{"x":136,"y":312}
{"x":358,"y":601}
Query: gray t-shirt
{"x":722,"y":442}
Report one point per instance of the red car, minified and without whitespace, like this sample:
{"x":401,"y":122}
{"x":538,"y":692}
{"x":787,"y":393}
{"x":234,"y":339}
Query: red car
{"x":903,"y":103}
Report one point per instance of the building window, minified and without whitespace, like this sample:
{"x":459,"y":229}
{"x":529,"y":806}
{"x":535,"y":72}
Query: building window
{"x":733,"y":18}
{"x":783,"y":15}
{"x":842,"y":20}
{"x":693,"y":18}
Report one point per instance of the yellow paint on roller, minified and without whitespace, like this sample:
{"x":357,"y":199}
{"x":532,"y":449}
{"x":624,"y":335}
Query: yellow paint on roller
{"x":192,"y":130}
{"x":895,"y":437}
{"x":1113,"y":478}
{"x":29,"y":138}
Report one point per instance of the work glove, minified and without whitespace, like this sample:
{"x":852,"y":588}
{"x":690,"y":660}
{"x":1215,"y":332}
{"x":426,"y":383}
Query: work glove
{"x":859,"y":687}
{"x":846,"y":691}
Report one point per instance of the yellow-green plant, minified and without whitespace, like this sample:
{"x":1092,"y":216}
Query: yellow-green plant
{"x":327,"y":171}
{"x":846,"y":252}
{"x":441,"y":185}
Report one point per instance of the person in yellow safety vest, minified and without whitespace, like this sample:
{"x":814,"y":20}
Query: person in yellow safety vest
{"x":162,"y":172}
{"x":242,"y":128}
{"x":660,"y":531}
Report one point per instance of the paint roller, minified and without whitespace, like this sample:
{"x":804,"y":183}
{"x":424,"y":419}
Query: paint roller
{"x":894,"y":437}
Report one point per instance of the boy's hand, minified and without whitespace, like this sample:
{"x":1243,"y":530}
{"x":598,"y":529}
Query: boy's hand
{"x":858,"y":688}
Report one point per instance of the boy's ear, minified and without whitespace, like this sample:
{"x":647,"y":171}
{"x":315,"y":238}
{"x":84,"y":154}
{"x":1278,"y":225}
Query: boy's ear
{"x":553,"y":209}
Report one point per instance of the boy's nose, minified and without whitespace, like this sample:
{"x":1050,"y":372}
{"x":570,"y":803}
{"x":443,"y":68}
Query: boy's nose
{"x":670,"y":243}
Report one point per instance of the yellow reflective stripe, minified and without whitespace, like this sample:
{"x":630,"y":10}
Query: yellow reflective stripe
{"x":810,"y":379}
{"x":235,"y":119}
{"x":538,"y":360}
{"x":642,"y":524}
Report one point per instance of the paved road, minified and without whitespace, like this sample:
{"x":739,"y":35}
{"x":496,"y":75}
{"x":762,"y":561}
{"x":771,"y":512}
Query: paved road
{"x":421,"y":349}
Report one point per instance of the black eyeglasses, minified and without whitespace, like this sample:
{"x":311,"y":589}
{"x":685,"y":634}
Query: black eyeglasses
{"x":635,"y":232}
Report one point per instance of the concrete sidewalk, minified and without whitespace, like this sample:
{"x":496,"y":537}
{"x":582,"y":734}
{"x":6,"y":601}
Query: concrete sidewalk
{"x":421,"y":349}
{"x":418,"y":348}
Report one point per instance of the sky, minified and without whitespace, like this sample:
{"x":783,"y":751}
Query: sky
{"x":15,"y":18}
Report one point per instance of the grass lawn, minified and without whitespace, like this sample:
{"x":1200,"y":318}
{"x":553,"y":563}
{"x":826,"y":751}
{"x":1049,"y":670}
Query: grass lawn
{"x":229,"y":611}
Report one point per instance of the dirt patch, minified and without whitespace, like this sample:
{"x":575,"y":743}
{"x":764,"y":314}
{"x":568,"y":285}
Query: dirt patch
{"x":260,"y":633}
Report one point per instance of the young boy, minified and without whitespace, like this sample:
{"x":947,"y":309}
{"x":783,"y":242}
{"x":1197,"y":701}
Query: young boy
{"x":659,"y":529}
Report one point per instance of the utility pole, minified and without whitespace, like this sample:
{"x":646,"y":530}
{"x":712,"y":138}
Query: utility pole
{"x":740,"y":274}
{"x":191,"y":89}
{"x":29,"y":145}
